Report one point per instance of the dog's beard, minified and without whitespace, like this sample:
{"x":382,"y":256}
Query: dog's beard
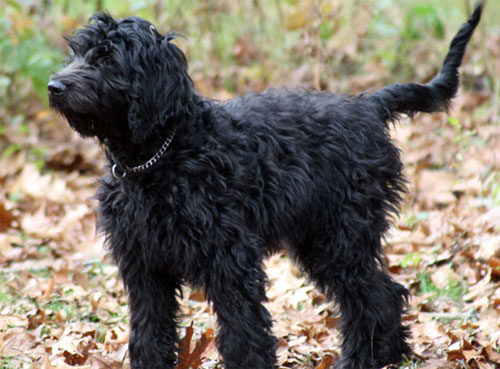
{"x":85,"y":126}
{"x":77,"y":113}
{"x":89,"y":114}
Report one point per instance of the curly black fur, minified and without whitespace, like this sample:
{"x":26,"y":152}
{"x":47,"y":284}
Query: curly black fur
{"x":312,"y":172}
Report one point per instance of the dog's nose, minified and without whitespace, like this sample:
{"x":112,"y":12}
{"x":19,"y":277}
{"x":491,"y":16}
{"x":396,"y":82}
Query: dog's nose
{"x":56,"y":87}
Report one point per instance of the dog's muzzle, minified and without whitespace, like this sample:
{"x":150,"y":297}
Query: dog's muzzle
{"x":56,"y":87}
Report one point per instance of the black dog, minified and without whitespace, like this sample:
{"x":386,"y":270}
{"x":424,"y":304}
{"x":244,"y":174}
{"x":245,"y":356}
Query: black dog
{"x":201,"y":192}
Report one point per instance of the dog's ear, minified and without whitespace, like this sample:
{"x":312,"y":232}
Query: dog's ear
{"x":162,"y":90}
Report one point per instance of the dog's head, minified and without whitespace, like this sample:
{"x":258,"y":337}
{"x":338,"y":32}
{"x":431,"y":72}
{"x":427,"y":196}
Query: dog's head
{"x":122,"y":76}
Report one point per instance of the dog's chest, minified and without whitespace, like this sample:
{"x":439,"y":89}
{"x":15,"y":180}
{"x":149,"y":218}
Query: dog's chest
{"x":160,"y":226}
{"x":132,"y":216}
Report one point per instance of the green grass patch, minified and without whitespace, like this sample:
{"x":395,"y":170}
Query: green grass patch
{"x":414,"y":220}
{"x":14,"y":362}
{"x":454,"y":290}
{"x":411,"y":260}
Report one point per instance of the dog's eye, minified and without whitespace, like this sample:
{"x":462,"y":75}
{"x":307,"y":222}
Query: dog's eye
{"x":107,"y":61}
{"x":67,"y":61}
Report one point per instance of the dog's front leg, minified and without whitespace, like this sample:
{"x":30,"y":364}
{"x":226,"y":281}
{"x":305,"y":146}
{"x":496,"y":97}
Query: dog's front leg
{"x":245,"y":340}
{"x":153,"y":309}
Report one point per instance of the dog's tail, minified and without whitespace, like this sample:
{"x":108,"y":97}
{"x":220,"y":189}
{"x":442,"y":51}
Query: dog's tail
{"x":410,"y":98}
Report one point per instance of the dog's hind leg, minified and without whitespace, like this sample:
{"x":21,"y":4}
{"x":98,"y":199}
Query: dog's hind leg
{"x":370,"y":301}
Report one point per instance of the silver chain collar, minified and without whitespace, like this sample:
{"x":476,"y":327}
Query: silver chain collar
{"x":152,"y":161}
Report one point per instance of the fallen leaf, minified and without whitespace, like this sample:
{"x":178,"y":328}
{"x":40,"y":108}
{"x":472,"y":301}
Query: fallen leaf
{"x":192,"y":359}
{"x":6,"y":218}
{"x":326,"y":362}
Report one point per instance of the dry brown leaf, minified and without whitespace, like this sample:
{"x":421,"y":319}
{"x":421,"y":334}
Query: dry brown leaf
{"x":326,"y":362}
{"x":47,"y":186}
{"x":491,"y":354}
{"x":494,"y":263}
{"x":484,"y":365}
{"x":37,"y":319}
{"x":471,"y":355}
{"x":6,"y":218}
{"x":16,"y":341}
{"x":49,"y":290}
{"x":437,"y":364}
{"x":297,"y":19}
{"x":46,"y":362}
{"x":200,"y":347}
{"x":197,"y":295}
{"x":76,"y":358}
{"x":184,"y":348}
{"x":188,"y":359}
{"x":488,"y":248}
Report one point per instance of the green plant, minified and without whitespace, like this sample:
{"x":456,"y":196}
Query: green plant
{"x":421,"y":20}
{"x":491,"y":188}
{"x":412,"y":259}
{"x":15,"y":362}
{"x":408,"y":363}
{"x":414,"y":220}
{"x":45,"y":331}
{"x":100,"y":334}
{"x":6,"y":363}
{"x":463,"y":135}
{"x":58,"y":304}
{"x":454,"y":290}
{"x":26,"y":57}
